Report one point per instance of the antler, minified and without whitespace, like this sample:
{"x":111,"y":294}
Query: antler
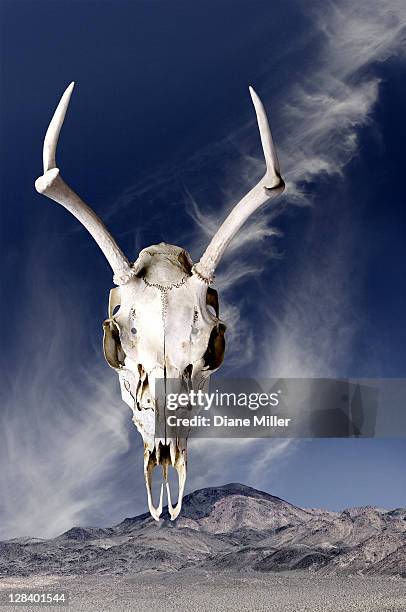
{"x":53,"y":186}
{"x":270,"y":186}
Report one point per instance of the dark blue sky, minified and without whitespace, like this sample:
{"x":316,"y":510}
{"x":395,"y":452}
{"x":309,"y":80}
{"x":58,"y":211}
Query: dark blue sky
{"x":160,"y":140}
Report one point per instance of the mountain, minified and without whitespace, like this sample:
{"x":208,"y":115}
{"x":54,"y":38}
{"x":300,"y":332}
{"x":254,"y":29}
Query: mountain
{"x":227,"y":527}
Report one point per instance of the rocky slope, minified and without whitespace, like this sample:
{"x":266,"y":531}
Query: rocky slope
{"x":228,"y":527}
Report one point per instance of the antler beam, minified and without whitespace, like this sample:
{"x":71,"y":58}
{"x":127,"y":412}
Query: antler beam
{"x":270,"y":186}
{"x":53,"y":186}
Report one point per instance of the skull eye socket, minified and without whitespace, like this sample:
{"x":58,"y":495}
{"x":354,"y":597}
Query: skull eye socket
{"x":212,"y":301}
{"x":214,"y":355}
{"x":113,"y":351}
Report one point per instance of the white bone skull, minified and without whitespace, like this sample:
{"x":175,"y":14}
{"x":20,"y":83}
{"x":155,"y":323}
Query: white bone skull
{"x":163,"y":317}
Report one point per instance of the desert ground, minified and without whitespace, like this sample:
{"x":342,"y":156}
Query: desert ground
{"x":200,"y":591}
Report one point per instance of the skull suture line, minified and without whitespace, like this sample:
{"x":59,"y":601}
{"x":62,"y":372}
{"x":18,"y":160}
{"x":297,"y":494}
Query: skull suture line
{"x":163,"y":318}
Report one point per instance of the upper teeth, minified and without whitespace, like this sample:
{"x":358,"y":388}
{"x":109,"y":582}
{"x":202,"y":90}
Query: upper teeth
{"x":178,"y":461}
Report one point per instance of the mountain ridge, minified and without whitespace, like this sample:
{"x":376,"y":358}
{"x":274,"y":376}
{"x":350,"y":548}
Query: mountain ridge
{"x":232,"y":526}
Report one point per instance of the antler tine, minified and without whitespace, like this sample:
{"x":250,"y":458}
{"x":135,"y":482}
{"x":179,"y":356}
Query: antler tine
{"x":54,"y":128}
{"x":270,"y":186}
{"x":271,"y":158}
{"x":53,"y":186}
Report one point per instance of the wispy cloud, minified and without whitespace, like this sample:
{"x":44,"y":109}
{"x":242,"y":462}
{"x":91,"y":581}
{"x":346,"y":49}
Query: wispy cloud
{"x":63,"y":428}
{"x":318,"y":319}
{"x":315,"y":318}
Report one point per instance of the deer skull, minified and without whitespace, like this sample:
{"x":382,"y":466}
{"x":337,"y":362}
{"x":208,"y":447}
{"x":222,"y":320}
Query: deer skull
{"x":163,"y":317}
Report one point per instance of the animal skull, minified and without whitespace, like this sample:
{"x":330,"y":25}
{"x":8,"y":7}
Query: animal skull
{"x":163,"y":317}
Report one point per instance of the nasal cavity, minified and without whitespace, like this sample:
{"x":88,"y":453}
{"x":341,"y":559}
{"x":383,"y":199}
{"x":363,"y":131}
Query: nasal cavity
{"x":187,"y":372}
